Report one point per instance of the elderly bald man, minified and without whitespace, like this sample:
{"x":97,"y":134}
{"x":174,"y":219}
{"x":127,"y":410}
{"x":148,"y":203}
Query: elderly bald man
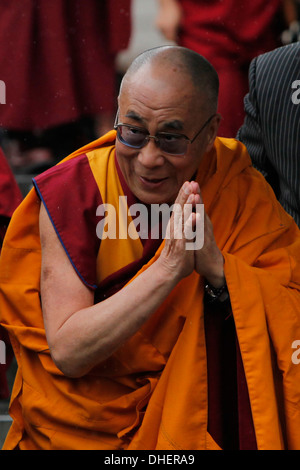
{"x":150,"y":283}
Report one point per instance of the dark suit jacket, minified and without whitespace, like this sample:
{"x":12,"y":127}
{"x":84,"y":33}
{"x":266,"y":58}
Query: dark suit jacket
{"x":271,"y":130}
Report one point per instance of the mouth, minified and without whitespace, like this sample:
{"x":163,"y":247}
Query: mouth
{"x":152,"y":182}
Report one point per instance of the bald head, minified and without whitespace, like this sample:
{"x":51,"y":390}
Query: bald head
{"x":188,"y":63}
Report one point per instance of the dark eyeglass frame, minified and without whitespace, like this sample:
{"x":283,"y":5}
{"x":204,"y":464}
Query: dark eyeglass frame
{"x":157,"y":136}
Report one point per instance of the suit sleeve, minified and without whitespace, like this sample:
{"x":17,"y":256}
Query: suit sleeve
{"x":251,"y":131}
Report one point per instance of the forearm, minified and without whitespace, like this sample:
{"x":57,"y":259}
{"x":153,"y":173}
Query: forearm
{"x":79,"y":344}
{"x":80,"y":334}
{"x":167,"y":3}
{"x":169,"y":18}
{"x":289,"y":11}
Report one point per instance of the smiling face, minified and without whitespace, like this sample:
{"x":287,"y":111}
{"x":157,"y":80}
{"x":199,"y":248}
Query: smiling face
{"x":162,"y":99}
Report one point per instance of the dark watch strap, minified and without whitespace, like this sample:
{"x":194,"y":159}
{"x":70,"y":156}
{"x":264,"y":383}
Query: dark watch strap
{"x":216,"y":294}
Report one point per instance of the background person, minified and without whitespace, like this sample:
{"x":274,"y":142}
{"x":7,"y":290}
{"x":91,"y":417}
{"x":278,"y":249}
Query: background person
{"x":10,"y":198}
{"x":272,"y":125}
{"x":229,"y":33}
{"x":60,"y":75}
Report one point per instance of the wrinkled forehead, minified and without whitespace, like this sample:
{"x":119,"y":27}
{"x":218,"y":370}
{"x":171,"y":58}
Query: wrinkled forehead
{"x":160,"y":86}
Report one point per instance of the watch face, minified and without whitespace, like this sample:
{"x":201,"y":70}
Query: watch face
{"x":211,"y":292}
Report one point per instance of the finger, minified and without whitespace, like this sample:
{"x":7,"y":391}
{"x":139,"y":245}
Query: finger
{"x":194,"y":199}
{"x":186,"y":189}
{"x":195,"y":187}
{"x":194,"y":238}
{"x":183,"y":194}
{"x":189,"y":226}
{"x":180,"y":213}
{"x":178,"y":222}
{"x":175,"y":228}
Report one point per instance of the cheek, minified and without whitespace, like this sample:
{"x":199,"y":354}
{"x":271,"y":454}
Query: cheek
{"x":124,"y":157}
{"x":186,"y":171}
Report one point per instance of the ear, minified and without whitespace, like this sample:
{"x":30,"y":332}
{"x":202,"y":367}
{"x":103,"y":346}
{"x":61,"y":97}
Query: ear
{"x":212,"y":131}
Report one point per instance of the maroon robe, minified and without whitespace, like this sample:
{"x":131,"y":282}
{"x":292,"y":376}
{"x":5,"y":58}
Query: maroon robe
{"x":57,"y":59}
{"x":229,"y":33}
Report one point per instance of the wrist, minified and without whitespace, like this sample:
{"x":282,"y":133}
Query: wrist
{"x":168,"y":2}
{"x":216,"y":294}
{"x":167,"y":272}
{"x":216,"y":277}
{"x":216,"y":281}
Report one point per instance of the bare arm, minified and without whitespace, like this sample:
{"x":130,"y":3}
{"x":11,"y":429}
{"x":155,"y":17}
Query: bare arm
{"x":81,"y":334}
{"x":169,"y":18}
{"x":289,"y":11}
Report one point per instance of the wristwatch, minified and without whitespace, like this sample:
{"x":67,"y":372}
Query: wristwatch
{"x":217,"y":293}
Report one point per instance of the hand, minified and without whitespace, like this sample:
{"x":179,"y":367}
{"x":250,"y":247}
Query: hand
{"x":209,"y":261}
{"x":169,"y":19}
{"x":175,"y":258}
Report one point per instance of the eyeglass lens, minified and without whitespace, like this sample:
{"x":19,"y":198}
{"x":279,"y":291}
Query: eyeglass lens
{"x":137,"y":138}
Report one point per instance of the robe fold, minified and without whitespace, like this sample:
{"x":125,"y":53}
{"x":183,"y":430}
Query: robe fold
{"x":154,"y":392}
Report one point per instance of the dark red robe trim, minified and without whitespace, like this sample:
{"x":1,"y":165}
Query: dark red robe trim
{"x":71,"y":197}
{"x":72,"y":211}
{"x":230,"y":420}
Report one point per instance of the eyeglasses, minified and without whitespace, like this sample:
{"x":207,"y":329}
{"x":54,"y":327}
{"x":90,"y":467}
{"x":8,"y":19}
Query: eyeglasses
{"x":171,"y":144}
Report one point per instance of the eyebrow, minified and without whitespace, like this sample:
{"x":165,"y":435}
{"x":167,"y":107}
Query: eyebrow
{"x":175,"y":124}
{"x":136,"y":117}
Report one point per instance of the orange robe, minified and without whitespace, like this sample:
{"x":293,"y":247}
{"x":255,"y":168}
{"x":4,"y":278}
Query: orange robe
{"x":153,"y":392}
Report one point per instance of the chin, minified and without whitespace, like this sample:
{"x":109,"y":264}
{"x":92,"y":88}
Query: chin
{"x":156,"y":199}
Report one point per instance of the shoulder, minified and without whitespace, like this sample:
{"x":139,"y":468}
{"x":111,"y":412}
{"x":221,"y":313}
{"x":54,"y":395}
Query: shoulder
{"x":280,"y":60}
{"x":70,"y":196}
{"x":67,"y":168}
{"x":272,"y":77}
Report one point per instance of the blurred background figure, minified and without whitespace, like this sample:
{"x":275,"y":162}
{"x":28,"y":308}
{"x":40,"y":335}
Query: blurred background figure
{"x":10,"y":198}
{"x":10,"y":195}
{"x":57,"y":60}
{"x":291,"y":10}
{"x":229,"y":33}
{"x":271,"y":128}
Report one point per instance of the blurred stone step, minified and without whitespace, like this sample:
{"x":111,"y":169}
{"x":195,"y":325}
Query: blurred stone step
{"x":5,"y":423}
{"x":25,"y":183}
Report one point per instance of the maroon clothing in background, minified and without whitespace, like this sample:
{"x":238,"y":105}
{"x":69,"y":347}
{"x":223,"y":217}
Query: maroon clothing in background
{"x":10,"y":198}
{"x":229,"y":33}
{"x":10,"y":194}
{"x":57,"y":59}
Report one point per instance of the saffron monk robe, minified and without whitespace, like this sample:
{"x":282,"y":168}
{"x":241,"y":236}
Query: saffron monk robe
{"x":139,"y":343}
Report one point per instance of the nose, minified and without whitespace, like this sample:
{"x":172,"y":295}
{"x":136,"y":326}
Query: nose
{"x":150,"y":155}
